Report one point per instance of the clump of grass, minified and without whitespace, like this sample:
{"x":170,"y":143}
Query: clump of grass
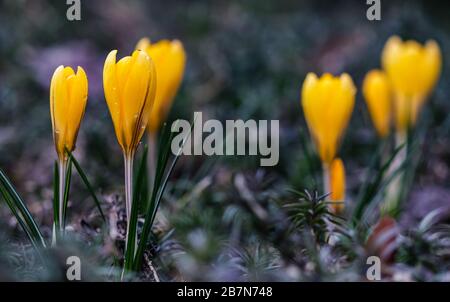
{"x":312,"y":212}
{"x":427,"y":246}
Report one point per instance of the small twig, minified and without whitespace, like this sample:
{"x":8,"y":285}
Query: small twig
{"x":150,"y":265}
{"x":247,"y":196}
{"x":195,"y":192}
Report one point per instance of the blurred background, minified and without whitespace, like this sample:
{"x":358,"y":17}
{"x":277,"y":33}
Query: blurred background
{"x":245,"y":59}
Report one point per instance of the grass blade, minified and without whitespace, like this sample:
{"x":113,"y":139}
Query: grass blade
{"x":67,"y":190}
{"x":86,"y":183}
{"x":55,"y":199}
{"x":157,"y":193}
{"x":19,"y":218}
{"x":140,"y":185}
{"x":372,"y":184}
{"x":136,"y":205}
{"x":17,"y":205}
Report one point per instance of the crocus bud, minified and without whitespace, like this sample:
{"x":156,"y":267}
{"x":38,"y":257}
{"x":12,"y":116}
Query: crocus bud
{"x":170,"y":59}
{"x":413,"y":70}
{"x":337,"y":185}
{"x":129,"y":86}
{"x":378,"y":96}
{"x":327,"y":105}
{"x":68,"y":97}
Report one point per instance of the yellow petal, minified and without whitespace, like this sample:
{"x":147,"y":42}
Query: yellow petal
{"x":377,"y":93}
{"x":55,"y":81}
{"x":135,"y":95}
{"x":169,"y":58}
{"x":149,"y":103}
{"x":391,"y":51}
{"x":60,"y":104}
{"x":337,"y":184}
{"x":432,"y":65}
{"x":129,"y":90}
{"x":123,"y":68}
{"x":68,"y":95}
{"x":406,"y":111}
{"x":143,"y":44}
{"x":413,"y":71}
{"x":79,"y":93}
{"x":412,"y":68}
{"x":111,"y":89}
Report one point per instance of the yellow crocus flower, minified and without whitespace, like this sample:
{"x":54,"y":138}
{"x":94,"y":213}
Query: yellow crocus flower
{"x":129,"y":86}
{"x":337,"y":185}
{"x":68,"y":97}
{"x":413,"y":70}
{"x":327,"y":105}
{"x":170,"y":59}
{"x":378,"y":96}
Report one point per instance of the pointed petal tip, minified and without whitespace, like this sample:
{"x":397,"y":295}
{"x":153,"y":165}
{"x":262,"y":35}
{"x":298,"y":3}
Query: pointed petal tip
{"x":80,"y":70}
{"x":395,"y":39}
{"x":112,"y":55}
{"x":143,"y":43}
{"x":347,"y":81}
{"x":311,"y":77}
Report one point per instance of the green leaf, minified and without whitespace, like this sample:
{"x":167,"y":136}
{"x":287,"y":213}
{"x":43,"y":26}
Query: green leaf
{"x":86,"y":183}
{"x":140,"y":190}
{"x":373,"y":182}
{"x":55,"y":197}
{"x":67,"y":190}
{"x":20,"y":211}
{"x":159,"y":186}
{"x":415,"y":140}
{"x":131,"y":236}
{"x":136,"y":205}
{"x":19,"y":218}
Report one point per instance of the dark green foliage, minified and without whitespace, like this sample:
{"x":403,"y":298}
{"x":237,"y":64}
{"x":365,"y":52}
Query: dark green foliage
{"x":312,"y":212}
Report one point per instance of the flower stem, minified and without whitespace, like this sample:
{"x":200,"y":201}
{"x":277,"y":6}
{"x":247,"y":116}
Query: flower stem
{"x":326,"y":178}
{"x":327,"y":190}
{"x":393,"y":190}
{"x":128,"y":165}
{"x":128,"y":160}
{"x":62,"y":186}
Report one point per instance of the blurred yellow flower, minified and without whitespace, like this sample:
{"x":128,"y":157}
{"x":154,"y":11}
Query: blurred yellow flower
{"x":413,"y":70}
{"x":68,"y":97}
{"x":170,"y":59}
{"x":129,"y":86}
{"x":327,"y":105}
{"x":378,"y":96}
{"x":337,"y":185}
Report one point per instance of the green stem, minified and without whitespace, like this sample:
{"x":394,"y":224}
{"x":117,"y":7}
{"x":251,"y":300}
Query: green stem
{"x":327,"y":190}
{"x":326,"y":179}
{"x":128,"y":160}
{"x":394,"y":188}
{"x":62,"y":186}
{"x":128,"y":165}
